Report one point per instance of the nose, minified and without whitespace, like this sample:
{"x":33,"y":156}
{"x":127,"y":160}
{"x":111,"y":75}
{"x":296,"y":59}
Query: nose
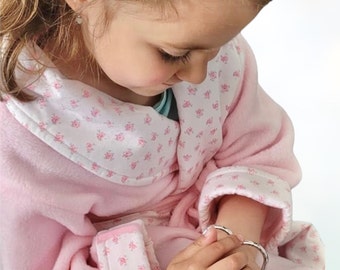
{"x":193,"y":73}
{"x":195,"y":70}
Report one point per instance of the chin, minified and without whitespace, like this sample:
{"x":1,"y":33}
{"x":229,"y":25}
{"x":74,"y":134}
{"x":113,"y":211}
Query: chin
{"x":150,"y":91}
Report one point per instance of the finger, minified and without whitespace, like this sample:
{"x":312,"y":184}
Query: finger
{"x":252,"y":266}
{"x":216,"y":251}
{"x":209,"y":237}
{"x":235,"y":261}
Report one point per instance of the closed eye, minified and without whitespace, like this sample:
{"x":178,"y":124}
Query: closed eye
{"x":168,"y":58}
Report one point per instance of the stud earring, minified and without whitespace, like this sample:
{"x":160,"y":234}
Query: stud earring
{"x":79,"y":19}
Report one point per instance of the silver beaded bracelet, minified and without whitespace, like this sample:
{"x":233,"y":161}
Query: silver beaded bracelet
{"x":247,"y":243}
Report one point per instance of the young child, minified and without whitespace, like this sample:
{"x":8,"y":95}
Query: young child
{"x":134,"y":135}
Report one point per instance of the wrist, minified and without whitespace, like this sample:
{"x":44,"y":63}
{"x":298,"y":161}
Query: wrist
{"x":242,"y":215}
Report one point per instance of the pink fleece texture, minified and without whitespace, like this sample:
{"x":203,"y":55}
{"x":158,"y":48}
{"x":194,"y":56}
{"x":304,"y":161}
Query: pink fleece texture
{"x":88,"y":181}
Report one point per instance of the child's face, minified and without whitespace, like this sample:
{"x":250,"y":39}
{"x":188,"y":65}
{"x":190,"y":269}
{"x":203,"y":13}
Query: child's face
{"x":146,"y":54}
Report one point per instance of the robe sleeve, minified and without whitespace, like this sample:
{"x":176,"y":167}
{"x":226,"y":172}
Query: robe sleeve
{"x":256,"y":157}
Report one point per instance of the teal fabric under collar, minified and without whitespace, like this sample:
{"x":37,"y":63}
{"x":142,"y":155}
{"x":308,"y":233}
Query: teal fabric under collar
{"x":164,"y":105}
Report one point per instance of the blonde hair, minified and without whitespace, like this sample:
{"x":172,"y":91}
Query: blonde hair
{"x":25,"y":22}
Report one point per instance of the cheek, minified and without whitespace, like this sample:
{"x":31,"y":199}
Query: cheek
{"x":155,"y":75}
{"x":149,"y":68}
{"x":135,"y":66}
{"x":137,"y":71}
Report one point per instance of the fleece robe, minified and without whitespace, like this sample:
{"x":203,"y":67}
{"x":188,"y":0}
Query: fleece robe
{"x":91,"y":182}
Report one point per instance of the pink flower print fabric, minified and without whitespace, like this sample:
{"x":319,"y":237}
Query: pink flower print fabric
{"x":126,"y":143}
{"x":125,"y":247}
{"x":120,"y":142}
{"x":257,"y":185}
{"x":202,"y":110}
{"x":303,"y":246}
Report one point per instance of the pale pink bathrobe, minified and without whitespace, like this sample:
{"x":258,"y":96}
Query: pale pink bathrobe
{"x":75,"y":154}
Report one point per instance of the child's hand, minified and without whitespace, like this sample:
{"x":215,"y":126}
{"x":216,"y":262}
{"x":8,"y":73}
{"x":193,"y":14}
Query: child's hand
{"x":209,"y":253}
{"x":249,"y":254}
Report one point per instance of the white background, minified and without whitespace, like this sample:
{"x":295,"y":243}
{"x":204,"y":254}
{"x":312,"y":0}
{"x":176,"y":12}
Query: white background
{"x":297,"y":46}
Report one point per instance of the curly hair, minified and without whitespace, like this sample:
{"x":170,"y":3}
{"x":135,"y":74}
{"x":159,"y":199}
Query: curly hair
{"x":32,"y":21}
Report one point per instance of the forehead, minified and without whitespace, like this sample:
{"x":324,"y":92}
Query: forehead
{"x":210,"y":23}
{"x":174,"y":10}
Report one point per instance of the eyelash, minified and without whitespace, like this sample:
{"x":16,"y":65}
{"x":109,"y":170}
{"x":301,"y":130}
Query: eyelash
{"x":168,"y":58}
